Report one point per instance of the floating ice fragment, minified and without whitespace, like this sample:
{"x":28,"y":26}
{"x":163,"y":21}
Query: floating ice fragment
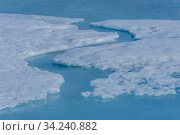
{"x":86,"y":94}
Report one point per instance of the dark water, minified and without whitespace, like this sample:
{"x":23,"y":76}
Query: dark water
{"x":96,"y":9}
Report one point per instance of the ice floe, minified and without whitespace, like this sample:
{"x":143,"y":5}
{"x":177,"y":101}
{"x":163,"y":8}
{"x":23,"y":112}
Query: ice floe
{"x":145,"y":28}
{"x":149,"y":66}
{"x":22,"y":36}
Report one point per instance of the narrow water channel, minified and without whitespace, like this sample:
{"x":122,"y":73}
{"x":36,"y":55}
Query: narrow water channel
{"x":77,"y":80}
{"x":70,"y":104}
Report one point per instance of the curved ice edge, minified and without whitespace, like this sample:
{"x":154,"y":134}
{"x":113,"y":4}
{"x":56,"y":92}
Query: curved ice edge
{"x":32,"y":35}
{"x":144,"y":28}
{"x":88,"y":94}
{"x":133,"y":35}
{"x":50,"y":19}
{"x":157,"y":49}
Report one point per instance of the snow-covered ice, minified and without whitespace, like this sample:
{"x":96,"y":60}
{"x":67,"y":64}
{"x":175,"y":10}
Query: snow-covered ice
{"x":22,"y":36}
{"x":149,"y":66}
{"x":144,"y":28}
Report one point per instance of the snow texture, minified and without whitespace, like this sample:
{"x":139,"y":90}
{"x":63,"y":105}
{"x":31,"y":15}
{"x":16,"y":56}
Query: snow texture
{"x":22,"y":36}
{"x":145,"y":29}
{"x":149,"y":66}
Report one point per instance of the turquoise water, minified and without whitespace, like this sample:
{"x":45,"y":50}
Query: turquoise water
{"x":69,"y":104}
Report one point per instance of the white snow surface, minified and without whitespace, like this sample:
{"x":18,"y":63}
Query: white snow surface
{"x":22,"y":36}
{"x":145,"y":28}
{"x":149,"y":66}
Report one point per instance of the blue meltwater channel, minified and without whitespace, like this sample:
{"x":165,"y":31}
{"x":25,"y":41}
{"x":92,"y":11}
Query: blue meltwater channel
{"x":69,"y":103}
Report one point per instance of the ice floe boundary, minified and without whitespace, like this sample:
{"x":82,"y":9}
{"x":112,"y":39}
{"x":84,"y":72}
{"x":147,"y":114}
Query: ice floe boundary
{"x":23,"y":36}
{"x":143,"y":67}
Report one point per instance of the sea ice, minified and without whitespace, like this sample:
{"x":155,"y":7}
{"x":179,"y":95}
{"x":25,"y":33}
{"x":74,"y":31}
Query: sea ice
{"x":142,"y":29}
{"x":22,"y":36}
{"x":142,"y":67}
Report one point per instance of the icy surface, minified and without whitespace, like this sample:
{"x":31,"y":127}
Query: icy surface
{"x":22,"y":36}
{"x":145,"y":28}
{"x":149,"y":66}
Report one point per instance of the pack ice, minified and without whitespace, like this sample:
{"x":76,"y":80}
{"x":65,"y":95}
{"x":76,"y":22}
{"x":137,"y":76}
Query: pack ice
{"x":148,"y":66}
{"x":22,"y":36}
